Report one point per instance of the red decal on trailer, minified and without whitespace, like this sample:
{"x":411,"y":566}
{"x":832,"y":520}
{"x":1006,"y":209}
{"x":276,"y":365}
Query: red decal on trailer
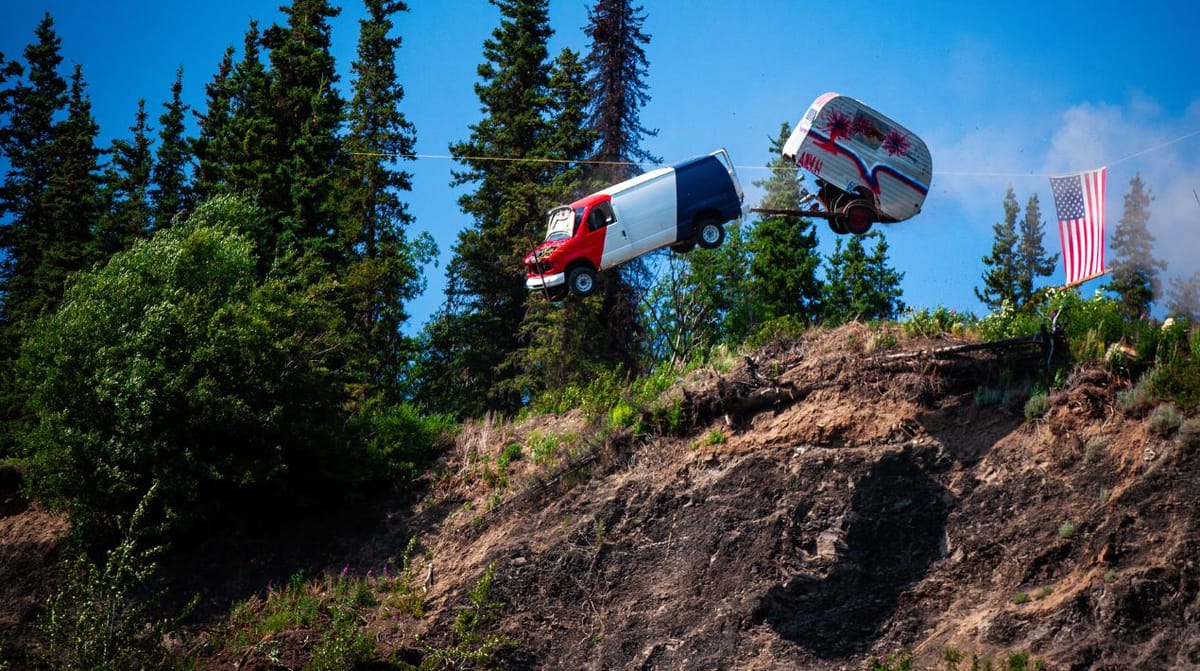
{"x":810,"y":163}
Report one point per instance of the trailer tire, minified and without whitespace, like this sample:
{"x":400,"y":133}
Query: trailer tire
{"x":582,"y":281}
{"x":858,"y":219}
{"x":711,"y":234}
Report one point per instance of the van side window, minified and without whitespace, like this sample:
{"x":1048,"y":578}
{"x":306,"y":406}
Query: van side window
{"x":600,"y":216}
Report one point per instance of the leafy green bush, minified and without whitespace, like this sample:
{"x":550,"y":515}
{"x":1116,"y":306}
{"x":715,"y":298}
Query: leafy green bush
{"x":1066,"y":530}
{"x":176,"y":363}
{"x":401,"y":439}
{"x":935,"y":322}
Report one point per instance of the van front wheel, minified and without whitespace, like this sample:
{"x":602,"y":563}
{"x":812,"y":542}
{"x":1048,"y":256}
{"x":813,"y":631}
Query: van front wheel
{"x":582,"y":281}
{"x":712,"y":234}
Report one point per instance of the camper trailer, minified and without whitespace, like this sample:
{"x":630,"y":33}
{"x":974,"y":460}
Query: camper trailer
{"x":868,"y":167}
{"x":679,"y":206}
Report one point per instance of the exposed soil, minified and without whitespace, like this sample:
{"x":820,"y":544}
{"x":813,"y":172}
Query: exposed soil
{"x":821,"y":504}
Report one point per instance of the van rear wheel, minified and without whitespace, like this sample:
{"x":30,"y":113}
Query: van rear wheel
{"x":712,"y":234}
{"x":582,"y":281}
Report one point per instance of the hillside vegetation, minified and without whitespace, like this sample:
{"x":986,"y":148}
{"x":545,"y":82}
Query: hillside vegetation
{"x":865,"y":497}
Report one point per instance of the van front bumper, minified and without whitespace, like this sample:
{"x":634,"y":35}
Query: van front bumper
{"x":545,"y":281}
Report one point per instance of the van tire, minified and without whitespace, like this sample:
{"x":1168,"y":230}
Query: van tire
{"x":711,"y":234}
{"x":582,"y":281}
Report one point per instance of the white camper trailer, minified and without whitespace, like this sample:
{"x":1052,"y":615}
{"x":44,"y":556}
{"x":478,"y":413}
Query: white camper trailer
{"x":868,"y":167}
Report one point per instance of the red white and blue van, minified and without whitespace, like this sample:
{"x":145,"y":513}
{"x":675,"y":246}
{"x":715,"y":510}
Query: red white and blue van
{"x":678,"y":206}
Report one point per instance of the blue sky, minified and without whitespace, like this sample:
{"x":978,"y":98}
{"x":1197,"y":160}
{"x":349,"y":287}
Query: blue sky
{"x":1003,"y":93}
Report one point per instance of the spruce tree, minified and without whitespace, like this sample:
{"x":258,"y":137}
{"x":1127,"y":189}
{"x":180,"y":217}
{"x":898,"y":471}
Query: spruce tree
{"x":211,"y":147}
{"x":861,"y":286}
{"x":1032,"y":261}
{"x":28,"y":143}
{"x":126,"y":179}
{"x":170,"y":191}
{"x":1001,"y":282}
{"x":73,"y":197}
{"x":783,"y":267}
{"x":616,"y":91}
{"x":1134,"y":268}
{"x":306,"y":111}
{"x":568,"y":343}
{"x":472,"y":339}
{"x":28,"y":108}
{"x":385,"y":271}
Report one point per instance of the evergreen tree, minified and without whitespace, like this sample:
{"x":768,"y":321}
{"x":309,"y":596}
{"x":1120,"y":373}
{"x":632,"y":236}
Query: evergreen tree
{"x":126,"y":190}
{"x":170,"y":191}
{"x":238,"y":149}
{"x":212,"y":146}
{"x":1183,"y":297}
{"x":1134,"y":268}
{"x":385,"y":273}
{"x":569,"y":343}
{"x":861,"y":286}
{"x":616,"y":91}
{"x":617,"y":68}
{"x":472,"y":339}
{"x":28,"y":143}
{"x":73,"y":197}
{"x":1001,"y":282}
{"x":1032,"y":261}
{"x":306,"y":110}
{"x":783,"y":266}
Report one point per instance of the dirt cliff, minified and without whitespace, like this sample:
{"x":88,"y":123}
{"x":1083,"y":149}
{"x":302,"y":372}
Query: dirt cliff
{"x":821,"y":504}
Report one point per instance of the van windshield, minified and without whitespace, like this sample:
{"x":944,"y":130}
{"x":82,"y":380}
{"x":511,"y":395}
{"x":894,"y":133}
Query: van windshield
{"x":562,"y":222}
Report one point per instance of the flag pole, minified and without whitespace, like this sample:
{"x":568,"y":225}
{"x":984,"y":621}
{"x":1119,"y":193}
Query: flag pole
{"x":1090,"y":277}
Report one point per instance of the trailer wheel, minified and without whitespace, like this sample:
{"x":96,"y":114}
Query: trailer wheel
{"x":858,"y":219}
{"x":582,"y":281}
{"x":712,"y":234}
{"x":836,"y":225}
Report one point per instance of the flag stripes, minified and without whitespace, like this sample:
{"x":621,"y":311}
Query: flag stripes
{"x":1079,"y":201}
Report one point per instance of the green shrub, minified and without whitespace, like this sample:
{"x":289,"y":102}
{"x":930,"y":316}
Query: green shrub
{"x":622,"y":415}
{"x":1066,"y":530}
{"x":1165,"y":420}
{"x":473,"y":648}
{"x":176,"y":362}
{"x":1095,"y":449}
{"x":101,"y":618}
{"x":935,"y":322}
{"x":401,"y":439}
{"x":1037,"y":406}
{"x":1020,"y":598}
{"x":1138,"y":399}
{"x":511,"y":453}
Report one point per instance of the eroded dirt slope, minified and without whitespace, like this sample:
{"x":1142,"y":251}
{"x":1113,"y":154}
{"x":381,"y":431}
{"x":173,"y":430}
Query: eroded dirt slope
{"x":855,"y":503}
{"x":814,"y":506}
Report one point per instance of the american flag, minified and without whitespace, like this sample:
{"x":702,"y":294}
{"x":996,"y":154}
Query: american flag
{"x":1079,"y":200}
